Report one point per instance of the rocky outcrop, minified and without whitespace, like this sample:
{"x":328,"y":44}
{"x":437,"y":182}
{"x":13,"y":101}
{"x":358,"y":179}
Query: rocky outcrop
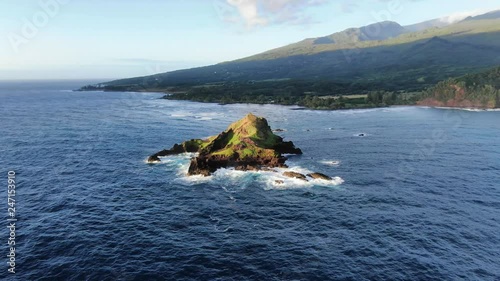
{"x":319,"y":176}
{"x":312,"y":176}
{"x":248,"y":144}
{"x":187,"y":146}
{"x":295,"y":175}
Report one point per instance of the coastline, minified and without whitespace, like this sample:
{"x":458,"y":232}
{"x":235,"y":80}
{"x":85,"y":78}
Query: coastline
{"x":300,"y":107}
{"x":471,"y":109}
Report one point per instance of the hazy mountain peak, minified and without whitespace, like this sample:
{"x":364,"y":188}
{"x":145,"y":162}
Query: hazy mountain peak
{"x":376,"y":31}
{"x":487,"y":16}
{"x":426,"y":25}
{"x":451,"y":19}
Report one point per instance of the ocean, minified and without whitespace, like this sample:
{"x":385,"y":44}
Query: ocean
{"x":417,"y":197}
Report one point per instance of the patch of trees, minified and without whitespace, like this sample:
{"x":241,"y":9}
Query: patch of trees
{"x":311,"y":94}
{"x":481,"y":87}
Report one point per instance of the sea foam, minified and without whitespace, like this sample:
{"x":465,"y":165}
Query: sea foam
{"x":273,"y":179}
{"x":334,"y":163}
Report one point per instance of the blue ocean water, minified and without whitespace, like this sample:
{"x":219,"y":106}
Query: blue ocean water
{"x":420,"y":197}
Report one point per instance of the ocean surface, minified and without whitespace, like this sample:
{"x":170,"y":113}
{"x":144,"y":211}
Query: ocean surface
{"x":416,"y":198}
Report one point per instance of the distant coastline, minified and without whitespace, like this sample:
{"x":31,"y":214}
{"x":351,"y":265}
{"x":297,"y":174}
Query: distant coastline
{"x":422,"y":104}
{"x":478,"y":91}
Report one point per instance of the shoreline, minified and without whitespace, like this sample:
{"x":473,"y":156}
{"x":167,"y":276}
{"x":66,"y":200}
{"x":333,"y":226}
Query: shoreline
{"x":299,"y":107}
{"x":471,"y":109}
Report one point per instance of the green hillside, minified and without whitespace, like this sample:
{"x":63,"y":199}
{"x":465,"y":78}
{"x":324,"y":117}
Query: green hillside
{"x":350,"y":39}
{"x":480,"y":90}
{"x":357,"y":61}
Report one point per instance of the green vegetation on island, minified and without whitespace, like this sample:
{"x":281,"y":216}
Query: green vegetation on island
{"x":248,"y":144}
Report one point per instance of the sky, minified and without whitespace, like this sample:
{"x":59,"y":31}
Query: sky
{"x":96,"y":39}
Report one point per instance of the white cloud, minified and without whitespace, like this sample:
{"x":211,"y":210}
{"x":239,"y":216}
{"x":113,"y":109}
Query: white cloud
{"x":456,"y":17}
{"x":248,"y":10}
{"x":264,"y":12}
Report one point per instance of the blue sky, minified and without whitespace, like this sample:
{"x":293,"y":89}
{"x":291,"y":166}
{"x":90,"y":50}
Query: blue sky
{"x":89,"y":39}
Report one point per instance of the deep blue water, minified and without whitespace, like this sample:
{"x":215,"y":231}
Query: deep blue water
{"x":420,"y":201}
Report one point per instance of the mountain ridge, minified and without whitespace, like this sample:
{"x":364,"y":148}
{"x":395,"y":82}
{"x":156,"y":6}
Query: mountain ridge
{"x":351,"y":61}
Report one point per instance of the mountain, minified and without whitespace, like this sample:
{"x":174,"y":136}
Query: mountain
{"x":487,"y":16}
{"x":457,"y":31}
{"x":446,"y":21}
{"x":435,"y":23}
{"x":479,"y":90}
{"x":383,"y":56}
{"x":378,"y":31}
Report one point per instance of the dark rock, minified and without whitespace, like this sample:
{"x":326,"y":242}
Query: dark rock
{"x":287,"y":148}
{"x":153,"y":159}
{"x":267,"y":169}
{"x":188,"y":146}
{"x":279,"y":182}
{"x":319,"y":176}
{"x":295,"y":175}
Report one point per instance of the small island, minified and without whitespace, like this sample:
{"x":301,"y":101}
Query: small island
{"x":246,"y":145}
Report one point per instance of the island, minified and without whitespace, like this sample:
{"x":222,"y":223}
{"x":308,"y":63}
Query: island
{"x":246,"y":145}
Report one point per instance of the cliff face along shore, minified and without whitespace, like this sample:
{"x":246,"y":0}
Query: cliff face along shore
{"x":479,"y":90}
{"x":248,"y":144}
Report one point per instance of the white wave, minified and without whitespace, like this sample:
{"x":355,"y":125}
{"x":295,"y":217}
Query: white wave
{"x":370,"y":110}
{"x":192,"y":180}
{"x":288,"y":155}
{"x":149,"y":93}
{"x":480,"y":110}
{"x":334,"y":163}
{"x":357,"y":111}
{"x":204,"y":118}
{"x":396,"y":108}
{"x":180,"y":161}
{"x":179,"y":115}
{"x":233,"y":179}
{"x":276,"y":180}
{"x":469,"y":109}
{"x":200,"y":116}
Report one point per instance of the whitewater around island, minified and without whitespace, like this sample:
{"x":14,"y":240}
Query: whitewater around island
{"x":179,"y":165}
{"x":247,"y":145}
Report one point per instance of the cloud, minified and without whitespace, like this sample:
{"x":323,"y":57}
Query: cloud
{"x":351,"y":6}
{"x":255,"y":13}
{"x":456,"y":17}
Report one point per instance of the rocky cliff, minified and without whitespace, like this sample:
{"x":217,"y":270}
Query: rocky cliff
{"x":248,"y":144}
{"x":480,"y":90}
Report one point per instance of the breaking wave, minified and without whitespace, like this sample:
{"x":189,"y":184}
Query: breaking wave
{"x":334,"y":163}
{"x":273,"y":179}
